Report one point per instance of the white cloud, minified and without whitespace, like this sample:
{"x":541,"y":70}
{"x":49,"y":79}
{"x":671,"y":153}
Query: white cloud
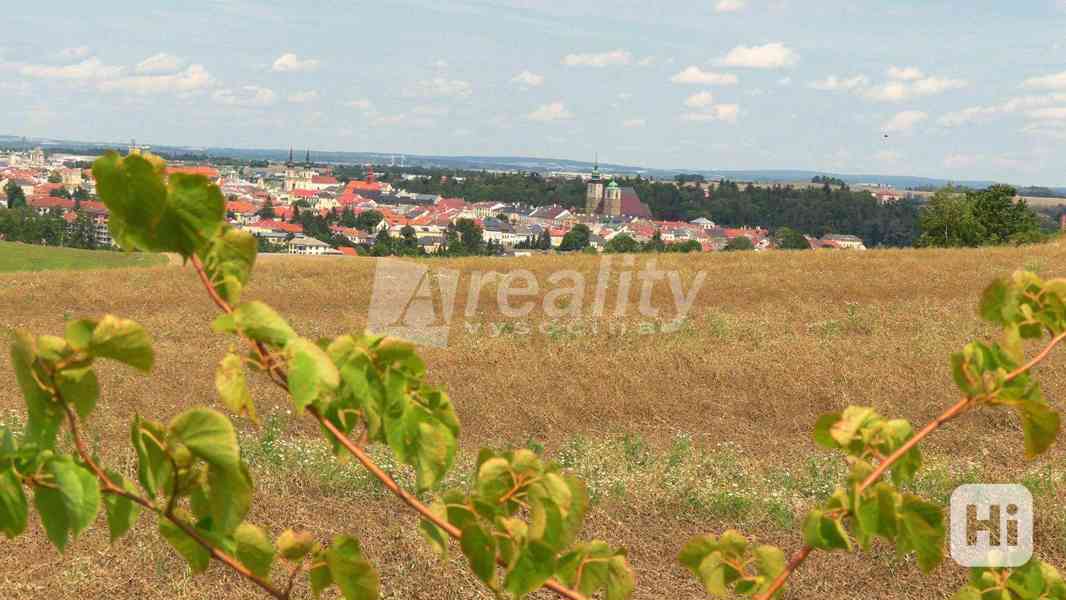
{"x":159,"y":63}
{"x":362,"y":104}
{"x":725,"y":6}
{"x":784,"y":81}
{"x":601,"y":59}
{"x":193,"y":78}
{"x":289,"y":62}
{"x":634,"y":123}
{"x":303,"y":97}
{"x":1047,"y":82}
{"x":248,"y":96}
{"x":440,"y":87}
{"x":90,"y":68}
{"x":528,"y":79}
{"x":74,"y":53}
{"x":1057,"y":113}
{"x":556,"y":111}
{"x":697,"y":76}
{"x":1011,"y":106}
{"x":905,"y":121}
{"x":910,"y":83}
{"x":700,"y":100}
{"x":647,"y":61}
{"x":718,"y":112}
{"x":834,"y":83}
{"x":905,"y":73}
{"x":774,"y":55}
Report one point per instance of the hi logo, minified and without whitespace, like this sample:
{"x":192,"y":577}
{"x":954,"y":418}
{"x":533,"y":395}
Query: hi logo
{"x":991,"y":525}
{"x":412,"y":302}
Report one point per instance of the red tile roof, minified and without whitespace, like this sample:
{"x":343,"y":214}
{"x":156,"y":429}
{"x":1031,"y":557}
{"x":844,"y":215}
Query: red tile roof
{"x":208,"y":172}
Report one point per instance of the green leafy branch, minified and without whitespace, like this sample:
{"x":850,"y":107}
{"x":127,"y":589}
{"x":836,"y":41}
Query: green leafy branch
{"x":1026,"y":308}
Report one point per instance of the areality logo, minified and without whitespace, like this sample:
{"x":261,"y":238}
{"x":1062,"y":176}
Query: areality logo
{"x":991,"y":525}
{"x":412,"y":302}
{"x":417,"y":303}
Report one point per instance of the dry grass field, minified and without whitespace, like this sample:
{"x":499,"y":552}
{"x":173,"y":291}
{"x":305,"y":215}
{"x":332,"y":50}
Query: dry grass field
{"x":677,"y":433}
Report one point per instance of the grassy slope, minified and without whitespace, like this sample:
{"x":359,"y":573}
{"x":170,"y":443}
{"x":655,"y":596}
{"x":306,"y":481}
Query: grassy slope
{"x":679,"y":434}
{"x":27,"y":257}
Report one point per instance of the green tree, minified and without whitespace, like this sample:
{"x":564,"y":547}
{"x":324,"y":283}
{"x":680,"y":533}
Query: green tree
{"x":55,"y":177}
{"x":368,"y":220}
{"x":655,"y":244}
{"x":575,"y":239}
{"x":949,"y":221}
{"x":1001,"y":217}
{"x":267,"y":211}
{"x":787,"y":238}
{"x":622,"y":243}
{"x":16,"y":198}
{"x":741,"y":242}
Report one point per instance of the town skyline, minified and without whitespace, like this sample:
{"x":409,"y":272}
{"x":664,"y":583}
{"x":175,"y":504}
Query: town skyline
{"x":729,"y":85}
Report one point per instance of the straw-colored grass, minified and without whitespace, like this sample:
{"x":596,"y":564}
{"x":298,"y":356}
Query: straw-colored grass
{"x":679,"y":433}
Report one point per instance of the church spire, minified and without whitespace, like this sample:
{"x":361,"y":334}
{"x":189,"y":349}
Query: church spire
{"x":290,"y":163}
{"x":307,"y":158}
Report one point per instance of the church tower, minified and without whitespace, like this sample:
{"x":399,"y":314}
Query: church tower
{"x":594,"y":192}
{"x":613,"y":202}
{"x":290,"y":173}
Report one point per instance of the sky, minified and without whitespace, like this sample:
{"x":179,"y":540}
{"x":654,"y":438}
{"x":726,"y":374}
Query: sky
{"x":901,"y":87}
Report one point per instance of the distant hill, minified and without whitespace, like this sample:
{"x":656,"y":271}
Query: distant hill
{"x":507,"y":163}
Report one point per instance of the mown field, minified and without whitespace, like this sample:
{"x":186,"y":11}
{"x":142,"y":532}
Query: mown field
{"x":677,"y":433}
{"x":15,"y":257}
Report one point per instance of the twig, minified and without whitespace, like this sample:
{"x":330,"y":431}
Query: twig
{"x":954,"y":411}
{"x":109,"y":487}
{"x":279,"y":377}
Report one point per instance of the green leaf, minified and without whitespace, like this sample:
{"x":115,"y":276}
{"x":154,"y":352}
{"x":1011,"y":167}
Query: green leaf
{"x":534,"y":565}
{"x":259,"y":322}
{"x":122,"y":340}
{"x":194,"y":214}
{"x":494,"y":480}
{"x":295,"y":545}
{"x":480,"y":549}
{"x":824,"y":532}
{"x":132,"y":188}
{"x":79,"y":387}
{"x":851,"y":420}
{"x":696,"y":550}
{"x":232,"y":385}
{"x":922,"y":524}
{"x":312,"y":373}
{"x":352,"y":573}
{"x":993,"y":301}
{"x":44,"y":415}
{"x":319,"y":576}
{"x":209,"y":435}
{"x":196,"y":555}
{"x":228,"y":259}
{"x":229,"y":496}
{"x":822,"y":427}
{"x":12,"y":504}
{"x":1040,"y":422}
{"x":436,"y":536}
{"x":122,"y":512}
{"x":769,"y":560}
{"x":621,"y":582}
{"x":79,"y":334}
{"x":154,"y":469}
{"x":254,"y":549}
{"x":70,"y":502}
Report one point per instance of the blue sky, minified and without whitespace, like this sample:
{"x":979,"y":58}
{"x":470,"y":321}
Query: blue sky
{"x":965,"y":93}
